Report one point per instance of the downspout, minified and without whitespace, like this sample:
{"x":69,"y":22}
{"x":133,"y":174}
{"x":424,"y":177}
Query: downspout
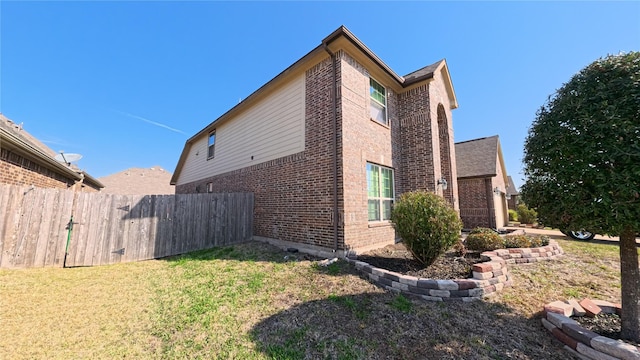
{"x":336,"y":213}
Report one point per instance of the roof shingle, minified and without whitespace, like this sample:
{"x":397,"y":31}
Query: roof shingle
{"x":477,"y":158}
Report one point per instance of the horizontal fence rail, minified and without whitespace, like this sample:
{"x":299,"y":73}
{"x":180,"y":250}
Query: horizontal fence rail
{"x":37,"y":225}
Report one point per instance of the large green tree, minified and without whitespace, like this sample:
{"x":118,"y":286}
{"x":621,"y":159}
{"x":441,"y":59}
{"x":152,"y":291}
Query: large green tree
{"x":582,"y":164}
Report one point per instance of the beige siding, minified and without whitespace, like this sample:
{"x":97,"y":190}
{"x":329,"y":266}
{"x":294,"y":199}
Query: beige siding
{"x":271,"y":129}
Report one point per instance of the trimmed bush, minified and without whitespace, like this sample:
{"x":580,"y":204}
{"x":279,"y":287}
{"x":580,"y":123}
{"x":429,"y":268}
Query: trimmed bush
{"x":526,"y":215}
{"x":427,"y":225}
{"x":483,"y":239}
{"x":513,"y":215}
{"x":525,"y":241}
{"x":517,"y":241}
{"x":540,"y":240}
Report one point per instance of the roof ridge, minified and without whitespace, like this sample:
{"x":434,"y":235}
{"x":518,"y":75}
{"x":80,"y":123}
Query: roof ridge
{"x":478,"y":139}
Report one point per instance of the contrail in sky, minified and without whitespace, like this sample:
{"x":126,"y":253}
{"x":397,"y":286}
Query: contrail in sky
{"x":150,"y":122}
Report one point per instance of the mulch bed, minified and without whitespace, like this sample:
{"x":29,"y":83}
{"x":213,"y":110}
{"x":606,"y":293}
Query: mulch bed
{"x":398,"y":259}
{"x":608,"y":325}
{"x":451,"y":266}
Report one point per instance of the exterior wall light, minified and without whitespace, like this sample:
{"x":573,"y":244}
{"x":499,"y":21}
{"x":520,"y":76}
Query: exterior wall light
{"x":442,"y":182}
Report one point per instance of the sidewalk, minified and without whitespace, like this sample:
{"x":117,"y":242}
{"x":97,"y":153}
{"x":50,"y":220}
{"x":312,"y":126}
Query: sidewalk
{"x":597,"y":238}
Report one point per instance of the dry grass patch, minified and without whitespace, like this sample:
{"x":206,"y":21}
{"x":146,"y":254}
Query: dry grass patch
{"x":97,"y":313}
{"x":253,"y":301}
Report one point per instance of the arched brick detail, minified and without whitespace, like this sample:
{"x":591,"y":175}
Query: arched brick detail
{"x":445,"y":153}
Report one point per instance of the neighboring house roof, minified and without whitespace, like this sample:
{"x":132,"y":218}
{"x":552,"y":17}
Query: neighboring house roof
{"x":511,"y":189}
{"x":477,"y":157}
{"x":340,"y":39}
{"x":16,"y":139}
{"x":139,"y":181}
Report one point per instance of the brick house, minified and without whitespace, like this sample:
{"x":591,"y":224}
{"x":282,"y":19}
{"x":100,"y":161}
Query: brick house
{"x":482,"y":183}
{"x":327,"y":145}
{"x":26,"y":161}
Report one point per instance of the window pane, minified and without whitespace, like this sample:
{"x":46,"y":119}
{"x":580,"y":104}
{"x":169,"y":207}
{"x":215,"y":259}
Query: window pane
{"x":387,"y":183}
{"x":386,"y":209}
{"x":212,"y":138}
{"x":374,"y":210}
{"x":377,"y":92}
{"x":378,"y":112}
{"x":373,"y":181}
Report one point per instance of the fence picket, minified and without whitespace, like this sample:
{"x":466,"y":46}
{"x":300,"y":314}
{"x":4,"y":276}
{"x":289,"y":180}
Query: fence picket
{"x":115,"y":228}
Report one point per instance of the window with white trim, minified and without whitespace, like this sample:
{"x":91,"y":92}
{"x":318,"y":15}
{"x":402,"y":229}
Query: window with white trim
{"x":378,"y":106}
{"x":380,"y":192}
{"x":212,"y":144}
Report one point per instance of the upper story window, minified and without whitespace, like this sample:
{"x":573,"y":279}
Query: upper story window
{"x":378,"y":102}
{"x":212,"y":144}
{"x":380,"y":192}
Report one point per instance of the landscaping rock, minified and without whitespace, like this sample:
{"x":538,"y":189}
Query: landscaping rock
{"x":559,"y":307}
{"x":590,"y":307}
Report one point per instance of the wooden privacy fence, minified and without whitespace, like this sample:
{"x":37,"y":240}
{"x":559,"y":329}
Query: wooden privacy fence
{"x":107,"y":229}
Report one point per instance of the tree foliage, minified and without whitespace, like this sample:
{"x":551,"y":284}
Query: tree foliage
{"x":582,"y":153}
{"x":427,"y":225}
{"x":582,"y":162}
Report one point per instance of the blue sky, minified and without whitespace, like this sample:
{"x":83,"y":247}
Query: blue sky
{"x":125,"y":84}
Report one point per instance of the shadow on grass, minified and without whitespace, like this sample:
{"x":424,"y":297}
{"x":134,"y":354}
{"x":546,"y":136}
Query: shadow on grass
{"x":383,"y":325}
{"x":249,"y":251}
{"x":390,"y":326}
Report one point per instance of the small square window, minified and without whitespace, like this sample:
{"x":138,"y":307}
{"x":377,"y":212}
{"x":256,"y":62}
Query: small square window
{"x":378,"y":103}
{"x":210,"y":187}
{"x":212,"y":144}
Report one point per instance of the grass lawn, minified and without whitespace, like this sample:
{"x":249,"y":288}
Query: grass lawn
{"x":254,"y":301}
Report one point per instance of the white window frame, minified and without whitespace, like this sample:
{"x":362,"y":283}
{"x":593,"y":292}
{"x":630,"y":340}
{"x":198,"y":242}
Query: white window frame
{"x":211,"y":145}
{"x":379,"y":197}
{"x":376,"y":103}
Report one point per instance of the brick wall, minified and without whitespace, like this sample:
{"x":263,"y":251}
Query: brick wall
{"x":441,"y":119}
{"x":364,"y":140}
{"x":417,"y":171}
{"x":475,"y":196}
{"x":446,"y":159}
{"x":294,"y":194}
{"x":513,"y":202}
{"x":18,"y":170}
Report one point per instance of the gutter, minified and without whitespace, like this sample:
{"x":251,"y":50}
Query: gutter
{"x":334,"y":90}
{"x":38,"y":156}
{"x":45,"y":160}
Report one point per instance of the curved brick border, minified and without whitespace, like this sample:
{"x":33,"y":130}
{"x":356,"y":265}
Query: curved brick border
{"x":488,"y":277}
{"x":579,"y":341}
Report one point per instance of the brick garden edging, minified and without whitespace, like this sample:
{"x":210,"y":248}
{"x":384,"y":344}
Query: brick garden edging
{"x":488,"y":277}
{"x":579,"y":341}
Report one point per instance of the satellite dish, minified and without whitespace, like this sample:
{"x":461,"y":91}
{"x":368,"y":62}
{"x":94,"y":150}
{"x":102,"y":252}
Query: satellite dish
{"x":67,"y":158}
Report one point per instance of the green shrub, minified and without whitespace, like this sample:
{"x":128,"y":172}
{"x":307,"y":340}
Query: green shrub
{"x":482,"y":230}
{"x":427,"y":225}
{"x":540,"y":240}
{"x":526,"y":215}
{"x":517,"y":241}
{"x":525,"y":241}
{"x":513,"y":215}
{"x":483,"y":239}
{"x":460,"y":249}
